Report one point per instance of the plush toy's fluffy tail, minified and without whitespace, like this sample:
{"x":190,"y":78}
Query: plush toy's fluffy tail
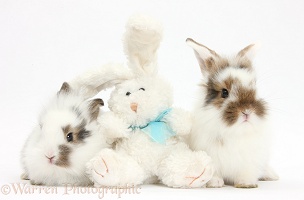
{"x":141,"y":41}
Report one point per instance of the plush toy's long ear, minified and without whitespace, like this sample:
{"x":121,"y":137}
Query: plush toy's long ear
{"x":141,"y":41}
{"x":95,"y":80}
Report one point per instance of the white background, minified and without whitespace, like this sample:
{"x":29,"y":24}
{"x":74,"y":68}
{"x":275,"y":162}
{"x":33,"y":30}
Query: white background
{"x":43,"y":43}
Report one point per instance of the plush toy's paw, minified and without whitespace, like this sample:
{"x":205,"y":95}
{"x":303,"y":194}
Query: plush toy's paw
{"x":201,"y":178}
{"x":215,"y":182}
{"x":185,"y":168}
{"x":111,"y":168}
{"x":200,"y":172}
{"x":180,"y":121}
{"x":101,"y":169}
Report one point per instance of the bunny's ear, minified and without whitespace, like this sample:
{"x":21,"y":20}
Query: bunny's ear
{"x":95,"y":80}
{"x":250,"y":51}
{"x":141,"y":41}
{"x":65,"y":89}
{"x":94,"y":106}
{"x":206,"y":57}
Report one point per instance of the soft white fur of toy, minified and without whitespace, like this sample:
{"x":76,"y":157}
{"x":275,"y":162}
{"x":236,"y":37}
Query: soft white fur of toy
{"x":65,"y":109}
{"x":141,"y":41}
{"x":89,"y":84}
{"x":240,"y":151}
{"x":135,"y":102}
{"x":136,"y":157}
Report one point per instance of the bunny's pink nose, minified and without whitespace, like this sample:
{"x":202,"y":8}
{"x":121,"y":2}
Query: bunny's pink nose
{"x":134,"y":106}
{"x":50,"y":158}
{"x":246,"y":115}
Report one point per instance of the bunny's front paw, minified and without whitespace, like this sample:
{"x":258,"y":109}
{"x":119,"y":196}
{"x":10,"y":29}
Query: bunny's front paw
{"x":24,"y":176}
{"x":215,"y":182}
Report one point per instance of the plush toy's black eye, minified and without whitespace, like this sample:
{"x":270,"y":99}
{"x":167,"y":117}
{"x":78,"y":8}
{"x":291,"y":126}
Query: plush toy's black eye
{"x":69,"y":137}
{"x":143,"y":89}
{"x":225,"y":93}
{"x":128,"y":93}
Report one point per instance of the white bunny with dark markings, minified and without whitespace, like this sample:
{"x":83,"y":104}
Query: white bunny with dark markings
{"x":66,"y":138}
{"x":230,"y":120}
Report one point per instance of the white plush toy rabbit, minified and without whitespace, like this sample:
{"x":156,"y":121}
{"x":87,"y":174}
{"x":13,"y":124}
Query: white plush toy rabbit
{"x":64,"y":140}
{"x":230,"y":121}
{"x":143,"y":124}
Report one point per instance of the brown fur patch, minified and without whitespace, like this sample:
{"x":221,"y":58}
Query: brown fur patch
{"x":214,"y":90}
{"x":260,"y":108}
{"x":213,"y":66}
{"x":222,"y":63}
{"x":245,"y":63}
{"x":65,"y":88}
{"x":79,"y":132}
{"x":231,"y":113}
{"x":246,"y":101}
{"x":63,"y":160}
{"x":94,"y":108}
{"x":246,"y":96}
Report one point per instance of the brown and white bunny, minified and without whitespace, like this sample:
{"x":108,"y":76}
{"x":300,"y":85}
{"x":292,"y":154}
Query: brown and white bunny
{"x":231,"y":120}
{"x":65,"y":138}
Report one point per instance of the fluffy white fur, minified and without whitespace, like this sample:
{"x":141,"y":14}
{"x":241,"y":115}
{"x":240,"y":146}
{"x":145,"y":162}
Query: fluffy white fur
{"x":240,"y":151}
{"x":174,"y":163}
{"x":247,"y":77}
{"x":136,"y":157}
{"x":48,"y":135}
{"x":89,"y":84}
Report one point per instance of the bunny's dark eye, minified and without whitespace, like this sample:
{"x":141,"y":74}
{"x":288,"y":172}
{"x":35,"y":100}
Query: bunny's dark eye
{"x":225,"y":93}
{"x":128,"y":93}
{"x":69,"y":137}
{"x":143,"y":89}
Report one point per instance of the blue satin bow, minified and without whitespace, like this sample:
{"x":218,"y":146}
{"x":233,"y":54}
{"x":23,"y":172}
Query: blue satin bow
{"x":158,"y":130}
